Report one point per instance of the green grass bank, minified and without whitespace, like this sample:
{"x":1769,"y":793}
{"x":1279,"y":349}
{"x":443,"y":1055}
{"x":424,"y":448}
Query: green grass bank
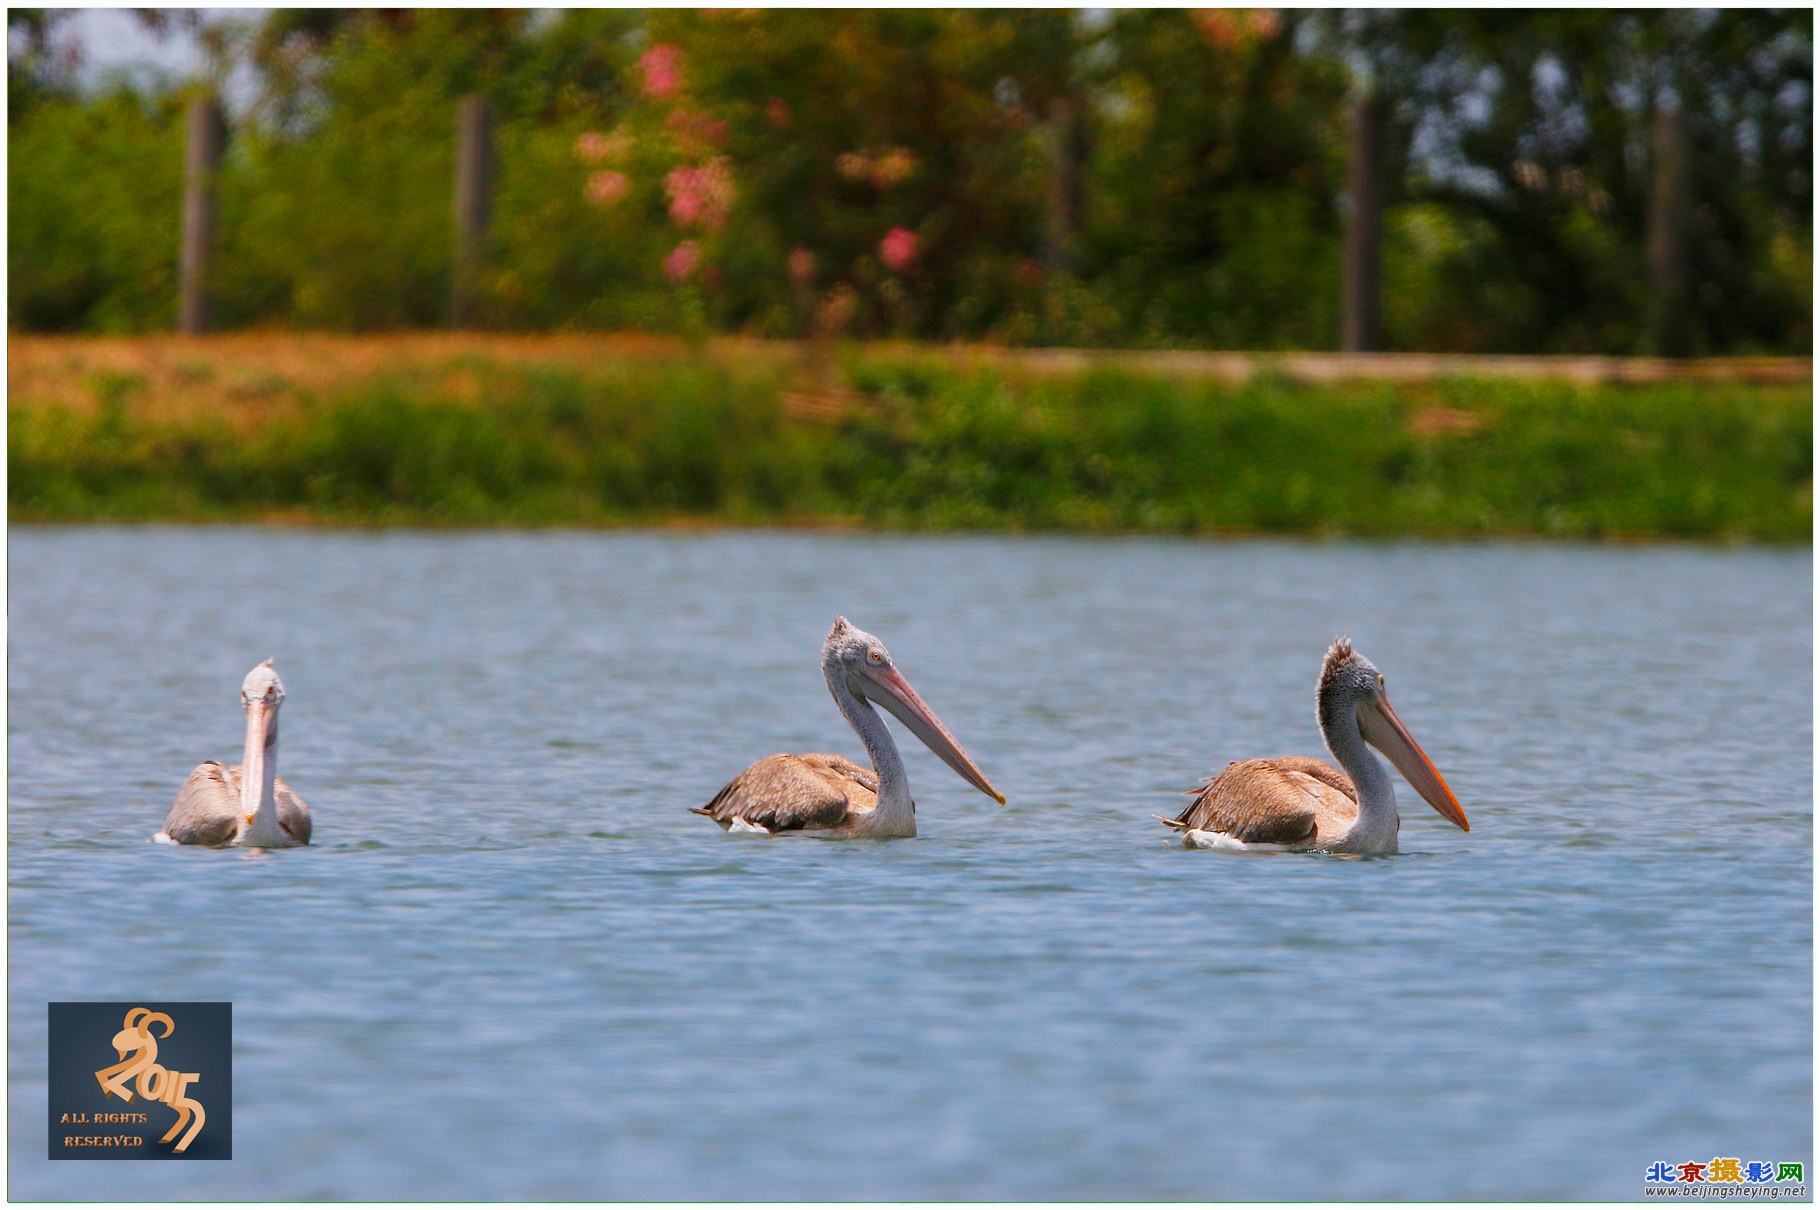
{"x":897,"y":440}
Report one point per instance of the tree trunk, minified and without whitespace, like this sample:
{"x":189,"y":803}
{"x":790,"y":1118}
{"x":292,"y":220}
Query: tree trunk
{"x":1064,"y":200}
{"x":201,"y":167}
{"x":474,"y":170}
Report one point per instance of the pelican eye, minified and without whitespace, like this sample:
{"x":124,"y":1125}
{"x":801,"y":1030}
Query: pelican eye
{"x":1380,"y":681}
{"x":875,"y":656}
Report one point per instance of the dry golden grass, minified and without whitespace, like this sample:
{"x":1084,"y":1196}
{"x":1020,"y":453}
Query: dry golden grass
{"x":239,"y":377}
{"x":244,"y":376}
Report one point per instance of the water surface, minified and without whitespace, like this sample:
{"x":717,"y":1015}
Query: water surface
{"x":514,"y":965}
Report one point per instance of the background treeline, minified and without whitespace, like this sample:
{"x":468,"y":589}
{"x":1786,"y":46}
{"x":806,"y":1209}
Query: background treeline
{"x":1137,"y":178}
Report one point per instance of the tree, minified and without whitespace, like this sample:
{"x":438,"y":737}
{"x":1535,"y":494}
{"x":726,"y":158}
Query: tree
{"x":1560,"y":169}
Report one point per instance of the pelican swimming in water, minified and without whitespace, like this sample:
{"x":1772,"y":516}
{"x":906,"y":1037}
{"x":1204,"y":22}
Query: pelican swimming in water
{"x":245,"y":804}
{"x":1299,"y":802}
{"x":831,"y":795}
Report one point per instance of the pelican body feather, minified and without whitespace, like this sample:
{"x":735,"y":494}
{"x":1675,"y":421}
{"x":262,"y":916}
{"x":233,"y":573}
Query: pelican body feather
{"x":207,"y":810}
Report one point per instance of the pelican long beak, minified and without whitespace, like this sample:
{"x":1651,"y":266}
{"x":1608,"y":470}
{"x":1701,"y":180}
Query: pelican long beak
{"x":252,"y":762}
{"x":1381,"y":727}
{"x":888,"y":688}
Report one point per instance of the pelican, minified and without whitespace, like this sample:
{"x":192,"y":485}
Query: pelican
{"x":245,"y":804}
{"x":1299,"y":802}
{"x":827,"y":795}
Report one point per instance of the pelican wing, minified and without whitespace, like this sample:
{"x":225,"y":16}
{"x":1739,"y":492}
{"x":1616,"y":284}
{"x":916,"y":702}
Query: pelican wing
{"x":293,"y":816}
{"x":1320,"y":770}
{"x":1268,"y":801}
{"x":207,"y":810}
{"x":786,"y":793}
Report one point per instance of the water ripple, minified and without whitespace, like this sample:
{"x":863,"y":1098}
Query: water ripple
{"x":1049,"y":1000}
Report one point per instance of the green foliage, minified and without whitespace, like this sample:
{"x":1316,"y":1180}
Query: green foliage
{"x":1109,"y":451}
{"x":1154,"y":178}
{"x":931,"y":446}
{"x":94,"y":190}
{"x":1211,"y":205}
{"x":1555,"y":179}
{"x":339,"y":217}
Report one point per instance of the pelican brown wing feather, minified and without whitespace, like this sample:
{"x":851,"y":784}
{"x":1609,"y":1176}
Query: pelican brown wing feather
{"x":208,"y":810}
{"x":1319,"y":769}
{"x":788,"y":793}
{"x":852,"y":770}
{"x":1266,"y":801}
{"x":293,"y":816}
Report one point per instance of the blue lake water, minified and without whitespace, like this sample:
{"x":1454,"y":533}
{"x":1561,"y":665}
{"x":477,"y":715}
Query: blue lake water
{"x":514,"y":965}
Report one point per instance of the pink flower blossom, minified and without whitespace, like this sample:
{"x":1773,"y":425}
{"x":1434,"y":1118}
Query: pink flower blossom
{"x":695,"y":132}
{"x":606,"y":187}
{"x":701,"y":195}
{"x":1265,"y":22}
{"x":835,"y":311}
{"x":591,"y":147}
{"x":801,"y":262}
{"x":898,"y":249}
{"x":1217,"y":26}
{"x":682,"y":261}
{"x":662,"y":68}
{"x":1232,"y":28}
{"x":686,"y":203}
{"x":618,"y":145}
